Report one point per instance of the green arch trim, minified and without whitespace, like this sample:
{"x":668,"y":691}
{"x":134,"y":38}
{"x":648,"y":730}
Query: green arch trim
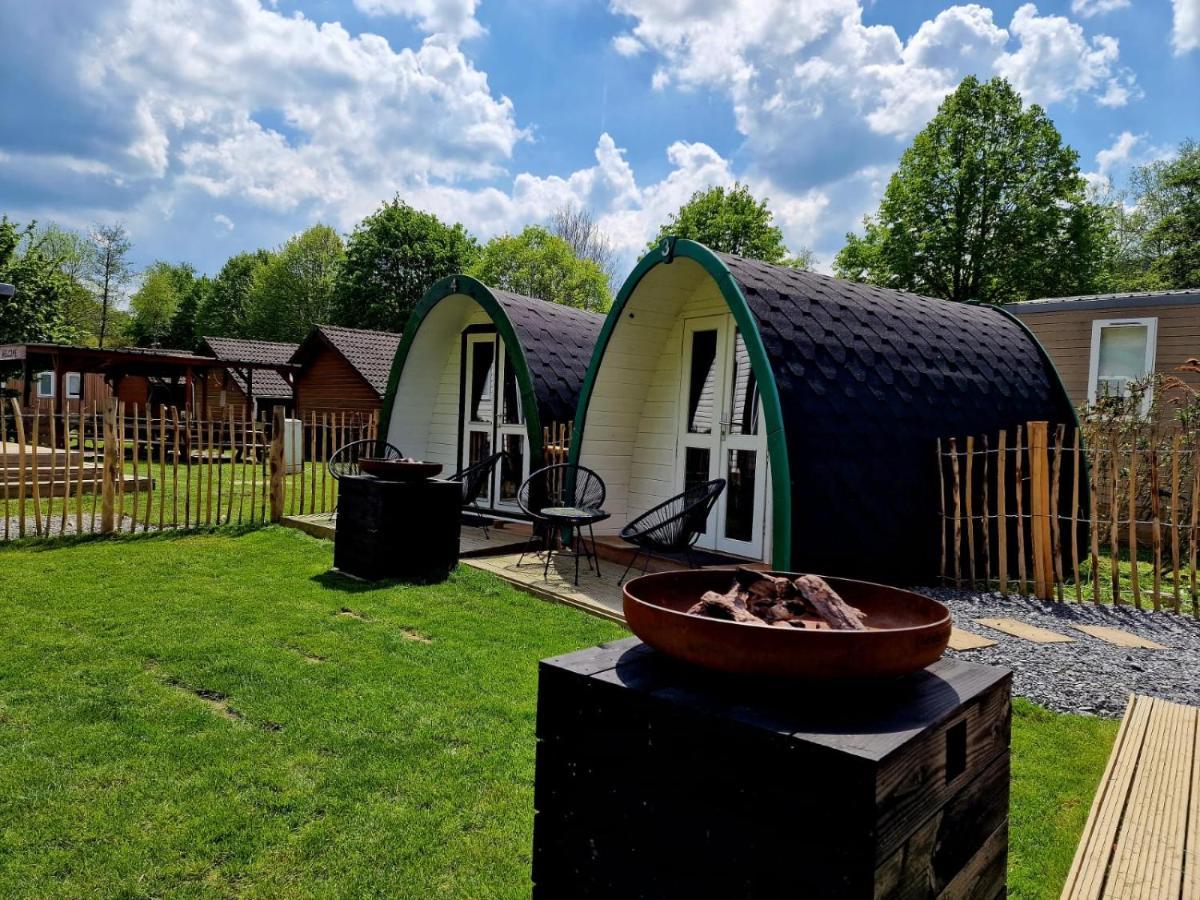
{"x":781,"y":481}
{"x":481,"y":294}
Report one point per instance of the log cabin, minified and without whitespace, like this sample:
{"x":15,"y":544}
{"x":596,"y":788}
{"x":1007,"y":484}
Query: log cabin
{"x":343,"y":370}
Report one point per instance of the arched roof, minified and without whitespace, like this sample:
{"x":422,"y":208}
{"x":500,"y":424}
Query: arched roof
{"x":857,"y":384}
{"x":549,"y":345}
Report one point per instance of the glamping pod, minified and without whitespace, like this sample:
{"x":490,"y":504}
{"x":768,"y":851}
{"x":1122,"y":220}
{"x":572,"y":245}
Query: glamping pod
{"x":480,"y":371}
{"x":818,"y":400}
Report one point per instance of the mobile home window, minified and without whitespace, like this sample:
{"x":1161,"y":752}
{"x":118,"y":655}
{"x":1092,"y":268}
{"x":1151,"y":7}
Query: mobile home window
{"x":45,"y":384}
{"x":74,"y":385}
{"x":1122,"y":351}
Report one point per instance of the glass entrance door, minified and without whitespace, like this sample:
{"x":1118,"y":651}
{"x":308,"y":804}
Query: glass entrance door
{"x":721,"y":434}
{"x":493,"y":419}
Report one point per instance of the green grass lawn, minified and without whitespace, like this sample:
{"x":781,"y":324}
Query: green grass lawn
{"x":213,"y":714}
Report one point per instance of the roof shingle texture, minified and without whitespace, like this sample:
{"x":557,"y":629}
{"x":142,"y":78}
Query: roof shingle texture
{"x":371,"y":353}
{"x":268,"y":384}
{"x":558,"y":342}
{"x":869,"y":379}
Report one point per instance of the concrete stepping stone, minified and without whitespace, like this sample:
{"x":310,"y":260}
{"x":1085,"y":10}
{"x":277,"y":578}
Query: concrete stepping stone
{"x":1119,"y":638}
{"x":1025,"y":631}
{"x":968,"y":640}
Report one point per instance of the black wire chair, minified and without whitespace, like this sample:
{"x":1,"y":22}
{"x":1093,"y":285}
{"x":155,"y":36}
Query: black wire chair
{"x":564,"y":497}
{"x":473,"y":479}
{"x":673,"y":526}
{"x":344,"y":460}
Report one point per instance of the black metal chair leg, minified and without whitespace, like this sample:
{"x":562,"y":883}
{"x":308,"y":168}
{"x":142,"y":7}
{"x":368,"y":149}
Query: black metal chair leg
{"x":625,"y":574}
{"x":595,"y":556}
{"x":575,"y":547}
{"x":549,"y":553}
{"x":482,"y":520}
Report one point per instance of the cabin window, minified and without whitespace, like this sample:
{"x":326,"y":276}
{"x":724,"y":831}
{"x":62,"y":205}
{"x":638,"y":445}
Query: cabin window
{"x":743,"y":404}
{"x":45,"y":384}
{"x":703,"y":383}
{"x":74,"y":384}
{"x":1122,"y":352}
{"x":482,"y":378}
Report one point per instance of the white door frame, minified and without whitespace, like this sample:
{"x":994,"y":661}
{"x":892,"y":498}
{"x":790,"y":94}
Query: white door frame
{"x":720,"y":442}
{"x":494,"y":427}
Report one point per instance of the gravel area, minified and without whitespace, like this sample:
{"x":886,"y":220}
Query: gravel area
{"x":1087,"y":676}
{"x":89,"y":525}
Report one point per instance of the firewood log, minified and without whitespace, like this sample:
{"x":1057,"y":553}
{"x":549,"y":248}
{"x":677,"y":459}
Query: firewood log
{"x":720,"y":606}
{"x":836,"y":612}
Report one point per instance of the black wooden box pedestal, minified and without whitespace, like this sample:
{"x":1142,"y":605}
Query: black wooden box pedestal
{"x":397,"y":529}
{"x":657,"y":780}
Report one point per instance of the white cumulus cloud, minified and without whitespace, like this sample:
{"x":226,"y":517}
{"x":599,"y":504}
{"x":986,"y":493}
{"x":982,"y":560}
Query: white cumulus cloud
{"x":1185,"y":29}
{"x":1089,"y":8}
{"x":455,"y":18}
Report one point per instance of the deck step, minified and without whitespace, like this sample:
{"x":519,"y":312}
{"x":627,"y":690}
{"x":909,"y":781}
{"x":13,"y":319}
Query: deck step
{"x":1120,"y":638}
{"x":1025,"y":631}
{"x":1140,"y":838}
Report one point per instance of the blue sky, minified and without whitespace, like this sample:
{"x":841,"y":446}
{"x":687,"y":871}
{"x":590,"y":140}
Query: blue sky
{"x":214,"y":126}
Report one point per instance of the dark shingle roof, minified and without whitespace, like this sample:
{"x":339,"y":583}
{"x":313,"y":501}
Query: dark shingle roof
{"x":370,"y":353}
{"x":558,"y":342}
{"x":868,"y":379}
{"x":1132,"y":300}
{"x":268,"y":384}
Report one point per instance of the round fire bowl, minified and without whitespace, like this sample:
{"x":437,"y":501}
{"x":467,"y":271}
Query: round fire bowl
{"x":906,"y":631}
{"x":399,"y":469}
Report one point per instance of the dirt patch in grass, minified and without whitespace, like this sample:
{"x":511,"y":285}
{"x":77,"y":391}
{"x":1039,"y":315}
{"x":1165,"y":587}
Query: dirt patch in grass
{"x":351,"y":614}
{"x":412,"y":634}
{"x":313,"y":658}
{"x":217,"y":701}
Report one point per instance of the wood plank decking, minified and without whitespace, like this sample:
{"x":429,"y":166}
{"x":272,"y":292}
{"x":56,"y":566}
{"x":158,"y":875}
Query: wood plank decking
{"x":1141,"y":837}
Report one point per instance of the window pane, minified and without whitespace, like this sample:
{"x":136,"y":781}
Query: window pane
{"x":739,"y":495}
{"x":479,"y":446}
{"x":695,"y":467}
{"x":702,"y":386}
{"x":1122,"y":357}
{"x":46,"y":384}
{"x":743,"y":402}
{"x":483,"y":360}
{"x":512,"y":395}
{"x":73,"y":385}
{"x":512,"y":465}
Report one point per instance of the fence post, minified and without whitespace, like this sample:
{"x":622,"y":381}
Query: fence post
{"x":277,"y":465}
{"x":1039,"y":497}
{"x":110,"y":465}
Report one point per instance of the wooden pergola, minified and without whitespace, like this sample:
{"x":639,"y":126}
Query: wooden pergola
{"x":116,"y":364}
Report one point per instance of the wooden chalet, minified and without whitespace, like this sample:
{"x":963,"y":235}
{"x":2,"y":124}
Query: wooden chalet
{"x":240,"y":385}
{"x":342,"y":369}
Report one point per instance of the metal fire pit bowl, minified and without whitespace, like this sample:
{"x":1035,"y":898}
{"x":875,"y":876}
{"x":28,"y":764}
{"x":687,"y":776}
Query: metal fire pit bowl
{"x":399,"y":469}
{"x":907,"y":631}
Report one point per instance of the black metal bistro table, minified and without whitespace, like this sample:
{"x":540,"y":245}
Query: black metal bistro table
{"x":397,"y":529}
{"x":574,"y":520}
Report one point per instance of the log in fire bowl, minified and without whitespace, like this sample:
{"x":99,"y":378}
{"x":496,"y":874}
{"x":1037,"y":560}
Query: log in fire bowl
{"x":905,"y":632}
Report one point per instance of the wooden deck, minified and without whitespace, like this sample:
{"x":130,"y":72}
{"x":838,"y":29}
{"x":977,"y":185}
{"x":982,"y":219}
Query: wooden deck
{"x":471,"y":543}
{"x":1142,"y":837}
{"x":598,"y":596}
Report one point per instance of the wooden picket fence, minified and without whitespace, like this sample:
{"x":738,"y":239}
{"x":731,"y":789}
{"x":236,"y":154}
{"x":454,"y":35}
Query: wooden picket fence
{"x":110,"y":468}
{"x":1101,"y":513}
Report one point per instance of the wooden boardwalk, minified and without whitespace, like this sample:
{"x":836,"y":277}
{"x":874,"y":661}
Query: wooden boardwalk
{"x":1142,"y":838}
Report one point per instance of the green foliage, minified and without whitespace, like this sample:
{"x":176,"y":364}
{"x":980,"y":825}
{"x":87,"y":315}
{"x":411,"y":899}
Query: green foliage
{"x":107,"y":271}
{"x":1156,"y":225}
{"x":392,"y":258}
{"x":987,"y":204}
{"x":538,"y":264}
{"x":35,"y":312}
{"x":221,"y":310}
{"x":732,"y":221}
{"x":297,"y":287}
{"x":164,"y":307}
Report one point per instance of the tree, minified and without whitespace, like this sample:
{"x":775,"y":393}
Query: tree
{"x":538,"y":264}
{"x":297,"y":287}
{"x":221,"y":308}
{"x":108,"y":272}
{"x":987,"y":204}
{"x":392,"y":258}
{"x":732,"y":221}
{"x":578,"y":227}
{"x":34,"y":313}
{"x":1157,"y":225}
{"x":71,"y":252}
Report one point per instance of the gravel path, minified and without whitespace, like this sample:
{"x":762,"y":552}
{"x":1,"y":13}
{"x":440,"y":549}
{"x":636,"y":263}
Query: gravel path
{"x":1089,"y":675}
